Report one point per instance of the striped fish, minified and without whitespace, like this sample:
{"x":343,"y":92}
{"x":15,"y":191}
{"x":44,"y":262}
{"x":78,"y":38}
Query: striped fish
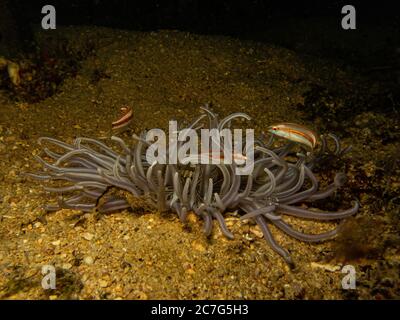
{"x":124,"y":120}
{"x":295,"y":132}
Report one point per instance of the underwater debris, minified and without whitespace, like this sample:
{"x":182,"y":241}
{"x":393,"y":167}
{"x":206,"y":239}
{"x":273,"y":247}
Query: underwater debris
{"x":12,"y":70}
{"x":281,"y":178}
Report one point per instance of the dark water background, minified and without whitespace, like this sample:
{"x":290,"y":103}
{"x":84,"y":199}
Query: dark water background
{"x":311,"y":26}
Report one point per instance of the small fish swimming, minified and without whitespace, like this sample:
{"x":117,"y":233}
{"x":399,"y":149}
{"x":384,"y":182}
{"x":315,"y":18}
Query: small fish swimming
{"x":295,"y":132}
{"x":124,"y":120}
{"x":237,"y":157}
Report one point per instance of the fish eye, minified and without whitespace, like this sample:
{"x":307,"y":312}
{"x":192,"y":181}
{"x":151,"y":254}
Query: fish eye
{"x":274,"y":128}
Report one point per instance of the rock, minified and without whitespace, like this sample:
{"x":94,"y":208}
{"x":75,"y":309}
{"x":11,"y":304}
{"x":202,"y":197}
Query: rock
{"x":56,"y":243}
{"x":190,"y":271}
{"x":67,"y":266}
{"x":37,"y":224}
{"x":88,"y":260}
{"x":256,"y":231}
{"x":231,"y":221}
{"x":103,"y":283}
{"x":88,"y":236}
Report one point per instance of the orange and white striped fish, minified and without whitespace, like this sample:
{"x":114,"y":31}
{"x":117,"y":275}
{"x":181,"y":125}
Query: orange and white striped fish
{"x":220,"y":155}
{"x":124,"y":120}
{"x":295,"y":132}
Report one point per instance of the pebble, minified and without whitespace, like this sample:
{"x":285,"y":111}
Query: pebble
{"x":103,"y":283}
{"x":88,"y":260}
{"x":248,"y":237}
{"x":198,"y":246}
{"x":67,"y":266}
{"x":231,"y":221}
{"x":190,"y":271}
{"x":37,"y":224}
{"x":53,"y":297}
{"x":256,"y":231}
{"x":56,"y":243}
{"x":88,"y":236}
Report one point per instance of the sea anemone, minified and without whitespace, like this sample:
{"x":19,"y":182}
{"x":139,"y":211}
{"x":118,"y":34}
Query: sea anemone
{"x":281,"y":178}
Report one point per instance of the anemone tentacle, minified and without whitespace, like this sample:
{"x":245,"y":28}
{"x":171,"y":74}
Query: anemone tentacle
{"x":281,"y":180}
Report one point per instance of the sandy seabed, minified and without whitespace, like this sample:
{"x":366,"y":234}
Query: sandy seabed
{"x":139,"y":254}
